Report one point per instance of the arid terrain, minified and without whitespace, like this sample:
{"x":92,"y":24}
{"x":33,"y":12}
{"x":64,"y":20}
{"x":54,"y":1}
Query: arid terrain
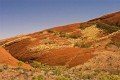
{"x":82,"y":51}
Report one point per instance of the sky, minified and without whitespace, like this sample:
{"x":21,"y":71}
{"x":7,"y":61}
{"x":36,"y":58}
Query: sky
{"x":26,"y":16}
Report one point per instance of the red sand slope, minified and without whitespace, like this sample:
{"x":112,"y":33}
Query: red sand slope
{"x":67,"y":56}
{"x":6,"y":58}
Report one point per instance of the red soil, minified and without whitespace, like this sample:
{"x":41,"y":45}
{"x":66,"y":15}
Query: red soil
{"x":67,"y":28}
{"x":63,"y":56}
{"x":116,"y":38}
{"x":7,"y":59}
{"x":67,"y":56}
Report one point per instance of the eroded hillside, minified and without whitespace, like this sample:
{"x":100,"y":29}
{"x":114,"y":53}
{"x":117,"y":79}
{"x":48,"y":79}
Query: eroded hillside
{"x":69,"y":45}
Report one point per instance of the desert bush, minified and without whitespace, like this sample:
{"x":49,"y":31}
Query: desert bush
{"x":116,"y":44}
{"x":77,"y":44}
{"x":59,"y":69}
{"x":85,"y":25}
{"x":34,"y":78}
{"x":20,"y":63}
{"x":107,"y":77}
{"x":114,"y":72}
{"x":62,"y":78}
{"x":85,"y":45}
{"x":84,"y":38}
{"x":5,"y":66}
{"x":50,"y":42}
{"x":40,"y":77}
{"x":62,"y":34}
{"x":87,"y":68}
{"x":74,"y":36}
{"x":82,"y":45}
{"x":32,"y":72}
{"x":36,"y":64}
{"x":87,"y":76}
{"x":101,"y":25}
{"x":107,"y":27}
{"x":26,"y":76}
{"x":97,"y":71}
{"x":39,"y":65}
{"x":82,"y":27}
{"x":50,"y":31}
{"x":78,"y":74}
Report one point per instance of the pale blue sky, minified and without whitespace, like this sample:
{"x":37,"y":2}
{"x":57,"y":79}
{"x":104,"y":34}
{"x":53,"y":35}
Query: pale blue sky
{"x":27,"y":16}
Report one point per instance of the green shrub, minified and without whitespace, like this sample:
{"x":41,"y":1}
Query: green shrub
{"x":59,"y":69}
{"x":116,"y":44}
{"x":62,"y":78}
{"x":40,"y":77}
{"x":77,"y":44}
{"x":87,"y":68}
{"x":5,"y":66}
{"x":101,"y":25}
{"x":77,"y":73}
{"x":34,"y":78}
{"x":97,"y":71}
{"x":36,"y":64}
{"x":107,"y":27}
{"x":62,"y":34}
{"x":88,"y":76}
{"x":82,"y":27}
{"x":107,"y":77}
{"x":50,"y":31}
{"x":74,"y":36}
{"x":85,"y":25}
{"x":82,"y":45}
{"x":20,"y":63}
{"x":85,"y":45}
{"x":114,"y":72}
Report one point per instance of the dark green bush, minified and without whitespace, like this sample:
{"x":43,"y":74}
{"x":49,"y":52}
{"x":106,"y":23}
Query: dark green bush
{"x":40,"y":77}
{"x":82,"y":27}
{"x":74,"y":36}
{"x":62,"y":34}
{"x":107,"y":77}
{"x":114,"y":43}
{"x":107,"y":27}
{"x":77,"y":44}
{"x":88,"y":76}
{"x":50,"y":31}
{"x":114,"y":72}
{"x":82,"y":45}
{"x":62,"y":78}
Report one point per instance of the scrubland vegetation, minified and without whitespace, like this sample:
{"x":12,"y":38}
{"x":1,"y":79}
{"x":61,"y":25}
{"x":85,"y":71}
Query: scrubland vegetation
{"x":46,"y":72}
